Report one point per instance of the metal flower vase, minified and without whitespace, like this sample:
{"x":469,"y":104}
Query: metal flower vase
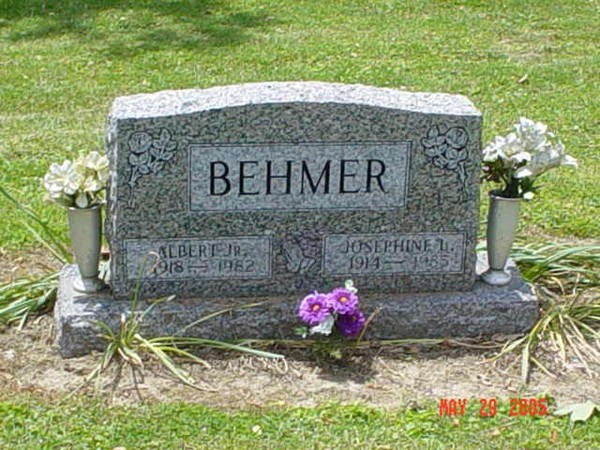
{"x":503,"y":217}
{"x":85,"y":228}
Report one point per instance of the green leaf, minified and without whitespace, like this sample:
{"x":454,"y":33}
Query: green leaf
{"x":336,"y":353}
{"x":578,"y":411}
{"x":301,"y":331}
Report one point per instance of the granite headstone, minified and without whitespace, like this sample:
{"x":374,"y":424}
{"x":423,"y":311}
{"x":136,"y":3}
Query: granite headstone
{"x":262,"y":193}
{"x":279,"y":188}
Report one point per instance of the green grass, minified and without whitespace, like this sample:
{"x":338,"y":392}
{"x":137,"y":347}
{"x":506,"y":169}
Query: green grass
{"x":62,"y":64}
{"x":85,"y":424}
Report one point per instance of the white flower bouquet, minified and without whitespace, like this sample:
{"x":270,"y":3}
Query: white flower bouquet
{"x":78,"y":184}
{"x":517,"y":159}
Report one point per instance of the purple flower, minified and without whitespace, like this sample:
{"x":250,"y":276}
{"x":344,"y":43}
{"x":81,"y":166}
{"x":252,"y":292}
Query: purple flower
{"x":350,"y":324}
{"x":343,"y":301}
{"x":314,"y":308}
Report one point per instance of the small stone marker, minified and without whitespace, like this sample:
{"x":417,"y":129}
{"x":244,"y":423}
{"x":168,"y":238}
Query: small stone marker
{"x":266,"y":192}
{"x":280,"y":188}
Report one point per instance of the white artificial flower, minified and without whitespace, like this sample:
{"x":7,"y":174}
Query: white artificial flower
{"x":512,"y":145}
{"x":77,"y":183}
{"x":92,"y":185}
{"x":103,"y":175}
{"x":519,"y":158}
{"x":54,"y":179}
{"x":52,"y":186}
{"x":81,"y":201}
{"x":79,"y":166}
{"x":349,"y":285}
{"x":568,"y":161}
{"x":62,"y":178}
{"x":531,"y":134}
{"x":73,"y":180}
{"x":528,"y":126}
{"x":527,"y":152}
{"x":324,"y":327}
{"x":95,"y":161}
{"x":494,"y":150}
{"x":55,"y":195}
{"x":544,"y":159}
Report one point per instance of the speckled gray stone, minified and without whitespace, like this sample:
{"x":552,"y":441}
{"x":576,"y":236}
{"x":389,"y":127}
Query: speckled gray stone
{"x":483,"y":311}
{"x":276,"y":189}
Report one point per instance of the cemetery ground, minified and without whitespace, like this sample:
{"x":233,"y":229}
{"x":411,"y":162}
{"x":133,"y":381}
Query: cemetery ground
{"x":377,"y":397}
{"x":61,"y":65}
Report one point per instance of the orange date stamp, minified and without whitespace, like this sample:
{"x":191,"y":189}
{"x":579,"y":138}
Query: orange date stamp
{"x":488,"y":407}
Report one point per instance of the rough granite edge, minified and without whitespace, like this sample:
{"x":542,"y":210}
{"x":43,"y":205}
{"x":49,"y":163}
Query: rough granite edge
{"x":483,"y":311}
{"x":188,"y":101}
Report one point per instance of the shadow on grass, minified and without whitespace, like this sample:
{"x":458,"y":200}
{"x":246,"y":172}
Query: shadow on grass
{"x":124,"y":28}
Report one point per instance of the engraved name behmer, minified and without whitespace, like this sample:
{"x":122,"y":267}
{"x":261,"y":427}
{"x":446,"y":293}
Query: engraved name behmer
{"x":297,"y":177}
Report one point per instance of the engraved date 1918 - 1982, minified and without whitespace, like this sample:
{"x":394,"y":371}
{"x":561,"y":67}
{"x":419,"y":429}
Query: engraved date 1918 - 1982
{"x":189,"y":258}
{"x":214,"y":258}
{"x":220,"y":266}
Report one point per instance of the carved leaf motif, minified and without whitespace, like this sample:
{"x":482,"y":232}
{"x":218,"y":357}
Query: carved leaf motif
{"x":429,"y":143}
{"x":138,"y":160}
{"x":157,"y":166}
{"x":433,"y":132}
{"x":164,"y":137}
{"x":143,"y":170}
{"x":435,"y":150}
{"x":439,"y":162}
{"x":167,"y":156}
{"x":155,"y":151}
{"x":170,"y":146}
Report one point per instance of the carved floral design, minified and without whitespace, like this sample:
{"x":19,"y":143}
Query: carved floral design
{"x":148,"y":154}
{"x":447,"y":150}
{"x":298,"y":261}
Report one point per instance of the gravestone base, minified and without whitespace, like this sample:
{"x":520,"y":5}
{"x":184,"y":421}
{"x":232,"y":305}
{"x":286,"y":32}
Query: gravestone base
{"x":483,"y":311}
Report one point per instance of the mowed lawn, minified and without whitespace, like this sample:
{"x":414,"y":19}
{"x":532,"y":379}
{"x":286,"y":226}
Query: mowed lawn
{"x":63,"y":62}
{"x":89,"y":425}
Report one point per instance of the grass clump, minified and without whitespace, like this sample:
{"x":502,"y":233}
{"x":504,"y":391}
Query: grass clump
{"x":567,"y":280}
{"x":558,"y":266}
{"x":127,"y":347}
{"x":24,"y":297}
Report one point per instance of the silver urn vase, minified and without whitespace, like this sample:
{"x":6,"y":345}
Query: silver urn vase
{"x":85,"y":229}
{"x":503,"y":217}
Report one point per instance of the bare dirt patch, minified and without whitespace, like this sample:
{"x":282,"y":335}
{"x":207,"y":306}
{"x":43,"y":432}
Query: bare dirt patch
{"x":380,"y":377}
{"x":15,"y":265}
{"x":386,"y":377}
